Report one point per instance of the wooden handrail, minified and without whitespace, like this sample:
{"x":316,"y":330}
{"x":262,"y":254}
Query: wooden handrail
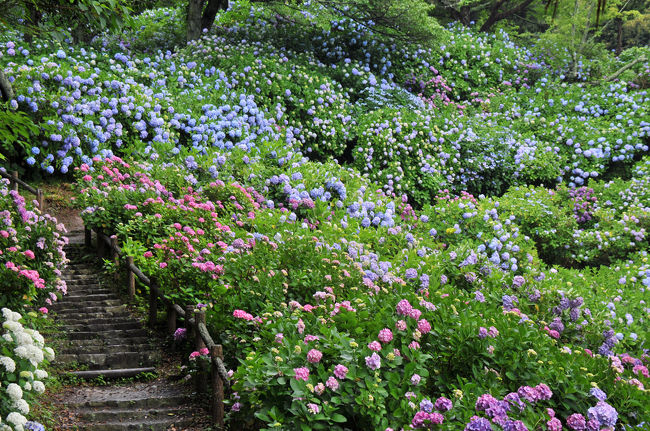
{"x":13,"y":178}
{"x":199,"y":329}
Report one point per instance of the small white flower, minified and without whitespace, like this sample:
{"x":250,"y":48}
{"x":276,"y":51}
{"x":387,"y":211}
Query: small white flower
{"x":8,"y":363}
{"x":27,"y":386}
{"x":12,"y":326}
{"x":40,"y":374}
{"x":49,"y":353}
{"x":7,"y":337}
{"x":16,"y":419}
{"x":21,"y":406}
{"x":14,"y":391}
{"x":39,"y":387}
{"x":24,"y":339}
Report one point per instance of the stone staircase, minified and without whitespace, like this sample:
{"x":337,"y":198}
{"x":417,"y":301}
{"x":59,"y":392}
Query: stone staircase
{"x":102,"y":338}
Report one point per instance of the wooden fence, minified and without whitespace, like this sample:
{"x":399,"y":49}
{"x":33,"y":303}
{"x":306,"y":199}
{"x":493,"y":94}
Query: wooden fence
{"x":15,"y":182}
{"x":194,"y":320}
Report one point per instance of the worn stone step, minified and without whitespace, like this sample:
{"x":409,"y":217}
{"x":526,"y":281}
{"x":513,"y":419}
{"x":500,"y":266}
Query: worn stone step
{"x":149,"y":425}
{"x":116,"y":373}
{"x":99,"y":320}
{"x":115,"y":360}
{"x":108,"y":334}
{"x":91,"y":302}
{"x":106,"y":349}
{"x":138,"y":395}
{"x":88,"y":316}
{"x":99,"y":414}
{"x":100,"y":341}
{"x":92,"y":326}
{"x":81,"y":309}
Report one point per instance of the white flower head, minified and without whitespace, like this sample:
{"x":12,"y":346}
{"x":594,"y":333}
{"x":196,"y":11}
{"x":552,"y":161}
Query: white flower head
{"x":12,"y":326}
{"x":40,"y":374}
{"x":27,"y":386}
{"x":21,"y":406}
{"x":38,"y":386}
{"x":16,"y":419}
{"x":8,"y":364}
{"x":14,"y":391}
{"x":49,"y":353}
{"x":7,"y":337}
{"x":10,"y":315}
{"x":24,"y":339}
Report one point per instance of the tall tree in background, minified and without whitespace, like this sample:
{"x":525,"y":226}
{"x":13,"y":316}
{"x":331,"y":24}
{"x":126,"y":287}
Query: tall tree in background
{"x":201,"y":14}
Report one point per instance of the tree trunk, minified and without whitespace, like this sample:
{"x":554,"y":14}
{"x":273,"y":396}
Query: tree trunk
{"x":34,"y":19}
{"x":496,"y":16}
{"x":619,"y":37}
{"x":6,"y":91}
{"x":210,"y":12}
{"x":194,"y":9}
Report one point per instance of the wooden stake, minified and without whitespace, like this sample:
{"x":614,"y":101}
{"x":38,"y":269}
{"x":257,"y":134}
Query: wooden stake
{"x":171,"y":320}
{"x":40,"y":197}
{"x":217,"y":389}
{"x":14,"y":185}
{"x":116,"y":258}
{"x":131,"y":277}
{"x":88,"y":237}
{"x":101,"y":246}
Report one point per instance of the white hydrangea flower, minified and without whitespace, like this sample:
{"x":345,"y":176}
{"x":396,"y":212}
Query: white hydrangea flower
{"x":21,"y":352}
{"x":12,"y":326}
{"x":49,"y":353}
{"x":27,"y":386}
{"x":11,"y":315}
{"x":38,"y":386}
{"x":41,"y":374}
{"x":8,"y":363}
{"x":21,"y":406}
{"x":38,"y":339}
{"x":24,"y":339}
{"x":26,"y":374}
{"x":7,"y":337}
{"x":14,"y":391}
{"x":16,"y":418}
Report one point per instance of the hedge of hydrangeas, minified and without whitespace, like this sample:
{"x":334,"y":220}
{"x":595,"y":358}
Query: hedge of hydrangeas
{"x":450,"y":237}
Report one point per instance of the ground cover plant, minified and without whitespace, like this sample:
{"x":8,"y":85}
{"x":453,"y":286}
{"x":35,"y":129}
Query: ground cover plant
{"x":442,"y":236}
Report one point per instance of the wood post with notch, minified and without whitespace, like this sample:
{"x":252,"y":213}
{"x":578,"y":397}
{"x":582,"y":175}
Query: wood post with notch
{"x":217,"y":389}
{"x":130,"y":277}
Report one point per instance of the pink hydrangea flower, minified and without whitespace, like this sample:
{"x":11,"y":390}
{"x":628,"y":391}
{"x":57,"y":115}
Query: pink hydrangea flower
{"x":332,"y":383}
{"x":375,"y":346}
{"x":314,"y":356}
{"x":373,"y":361}
{"x":404,"y":307}
{"x":424,"y":326}
{"x":301,"y":373}
{"x":340,"y":371}
{"x":400,"y":325}
{"x":385,"y":335}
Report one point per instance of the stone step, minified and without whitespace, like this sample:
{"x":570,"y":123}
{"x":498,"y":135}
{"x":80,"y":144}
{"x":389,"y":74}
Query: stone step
{"x":148,"y":424}
{"x":129,"y":414}
{"x":66,"y":309}
{"x":92,"y":326}
{"x":87,"y":316}
{"x":91,"y":302}
{"x":137,"y":395}
{"x":99,"y":320}
{"x":106,"y":349}
{"x":108,"y":334}
{"x":100,"y":341}
{"x":88,"y":290}
{"x":113,"y":373}
{"x":114,"y":360}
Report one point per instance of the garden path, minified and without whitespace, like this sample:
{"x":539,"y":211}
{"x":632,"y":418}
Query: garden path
{"x":136,"y":384}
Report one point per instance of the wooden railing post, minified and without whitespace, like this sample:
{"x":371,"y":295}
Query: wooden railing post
{"x":189,"y":313}
{"x":116,"y":258}
{"x":101,"y":246}
{"x":201,"y":380}
{"x":217,"y":389}
{"x":153,"y":305}
{"x":171,"y":320}
{"x":40,"y":197}
{"x":131,"y":277}
{"x":88,"y":237}
{"x":199,"y":317}
{"x":14,"y":184}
